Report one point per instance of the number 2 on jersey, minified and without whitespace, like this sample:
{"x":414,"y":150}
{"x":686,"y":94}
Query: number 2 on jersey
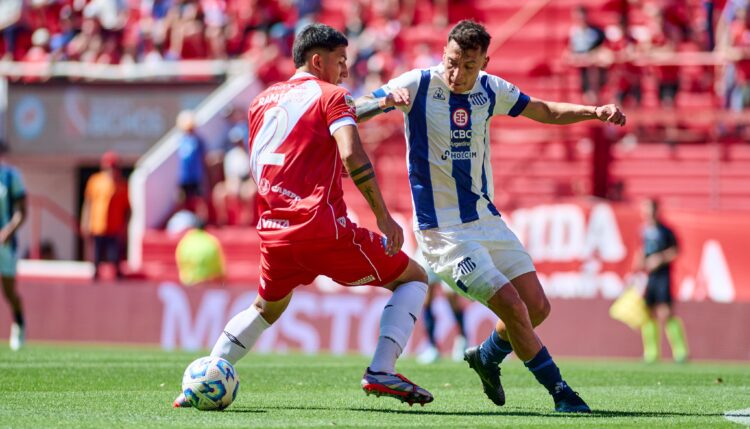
{"x":268,"y":140}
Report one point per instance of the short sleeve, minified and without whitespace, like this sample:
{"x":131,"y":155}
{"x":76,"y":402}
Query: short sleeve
{"x":669,"y":238}
{"x":338,"y":108}
{"x":17,"y":188}
{"x":409,"y":80}
{"x":509,"y":100}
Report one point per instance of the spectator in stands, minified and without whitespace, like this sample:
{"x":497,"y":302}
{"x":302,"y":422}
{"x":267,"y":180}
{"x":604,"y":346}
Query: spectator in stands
{"x":215,"y":18}
{"x":12,"y":215}
{"x":659,"y":252}
{"x":739,"y":95}
{"x":65,"y":35}
{"x":192,"y":166}
{"x":81,"y":46}
{"x":236,"y":193}
{"x":105,"y":212}
{"x":186,"y":31}
{"x":667,"y":75}
{"x":10,"y":25}
{"x":627,"y":74}
{"x":585,"y":37}
{"x":39,"y":52}
{"x":307,"y":12}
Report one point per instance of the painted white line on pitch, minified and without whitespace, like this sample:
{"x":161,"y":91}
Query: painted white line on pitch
{"x":739,"y":416}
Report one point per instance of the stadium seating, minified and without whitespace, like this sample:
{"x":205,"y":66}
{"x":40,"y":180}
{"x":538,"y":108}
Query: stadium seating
{"x":533,"y":163}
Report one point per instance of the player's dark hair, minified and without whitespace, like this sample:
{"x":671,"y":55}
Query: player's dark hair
{"x":470,"y":35}
{"x":316,"y":36}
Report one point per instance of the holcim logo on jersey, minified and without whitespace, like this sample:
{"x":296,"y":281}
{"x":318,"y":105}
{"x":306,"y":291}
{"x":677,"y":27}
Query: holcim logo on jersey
{"x":460,"y":117}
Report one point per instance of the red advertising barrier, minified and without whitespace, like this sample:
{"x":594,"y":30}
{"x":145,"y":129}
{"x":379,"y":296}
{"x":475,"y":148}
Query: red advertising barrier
{"x":326,"y":317}
{"x":583,"y":251}
{"x":585,"y":248}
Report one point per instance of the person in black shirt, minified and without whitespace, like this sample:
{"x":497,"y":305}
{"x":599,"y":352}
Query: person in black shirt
{"x":660,"y":249}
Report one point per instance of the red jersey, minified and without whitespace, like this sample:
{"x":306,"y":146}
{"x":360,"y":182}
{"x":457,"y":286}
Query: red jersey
{"x":295,"y":160}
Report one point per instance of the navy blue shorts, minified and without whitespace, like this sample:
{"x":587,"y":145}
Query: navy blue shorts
{"x":658,"y":289}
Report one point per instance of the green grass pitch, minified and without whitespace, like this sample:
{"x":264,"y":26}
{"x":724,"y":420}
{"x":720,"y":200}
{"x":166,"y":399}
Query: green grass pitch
{"x":46,"y":386}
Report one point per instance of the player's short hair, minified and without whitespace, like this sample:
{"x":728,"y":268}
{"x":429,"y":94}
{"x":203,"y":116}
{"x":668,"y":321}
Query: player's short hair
{"x":470,"y":35}
{"x":316,"y":36}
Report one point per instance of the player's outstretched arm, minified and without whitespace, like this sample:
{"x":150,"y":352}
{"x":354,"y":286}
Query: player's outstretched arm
{"x":360,"y":169}
{"x":550,"y":112}
{"x":368,"y":106}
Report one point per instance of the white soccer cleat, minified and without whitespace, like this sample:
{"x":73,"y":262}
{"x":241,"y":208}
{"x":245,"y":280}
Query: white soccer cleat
{"x":459,"y":346}
{"x":16,"y":337}
{"x":429,"y":355}
{"x":181,"y":402}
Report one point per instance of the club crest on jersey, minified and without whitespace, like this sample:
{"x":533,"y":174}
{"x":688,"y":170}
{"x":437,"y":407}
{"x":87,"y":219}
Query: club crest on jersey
{"x":342,"y":221}
{"x":439,"y":94}
{"x":461,"y":117}
{"x":264,"y":186}
{"x":466,"y":266}
{"x":478,"y":99}
{"x":349,"y":100}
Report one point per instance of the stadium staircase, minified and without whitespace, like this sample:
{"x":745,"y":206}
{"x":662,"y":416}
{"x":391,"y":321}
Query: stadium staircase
{"x":533,"y":164}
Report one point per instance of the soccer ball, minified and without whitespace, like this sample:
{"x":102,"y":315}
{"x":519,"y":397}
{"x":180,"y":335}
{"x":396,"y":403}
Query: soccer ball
{"x":210,"y":383}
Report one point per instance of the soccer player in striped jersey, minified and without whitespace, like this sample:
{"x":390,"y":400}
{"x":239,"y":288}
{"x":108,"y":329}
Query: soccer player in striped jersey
{"x":447,"y":109}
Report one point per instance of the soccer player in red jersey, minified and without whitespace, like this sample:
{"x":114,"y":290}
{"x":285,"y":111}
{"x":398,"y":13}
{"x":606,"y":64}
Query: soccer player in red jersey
{"x":303,"y":134}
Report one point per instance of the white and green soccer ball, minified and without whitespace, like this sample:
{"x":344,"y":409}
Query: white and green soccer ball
{"x":210,"y":383}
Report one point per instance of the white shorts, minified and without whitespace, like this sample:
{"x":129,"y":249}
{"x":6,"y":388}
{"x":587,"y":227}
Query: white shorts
{"x":477,"y":258}
{"x":432,"y":277}
{"x":8,"y":261}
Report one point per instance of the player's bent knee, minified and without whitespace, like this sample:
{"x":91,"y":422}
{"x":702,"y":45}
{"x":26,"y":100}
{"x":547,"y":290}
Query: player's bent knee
{"x":540,"y":311}
{"x":413,"y":273}
{"x":270,"y":311}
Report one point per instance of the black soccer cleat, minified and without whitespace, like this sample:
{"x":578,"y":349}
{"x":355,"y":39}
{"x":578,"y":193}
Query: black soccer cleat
{"x":489,"y":374}
{"x":569,"y":401}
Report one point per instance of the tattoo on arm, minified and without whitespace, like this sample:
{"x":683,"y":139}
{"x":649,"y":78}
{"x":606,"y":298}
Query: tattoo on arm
{"x":367,"y":107}
{"x":362,"y":174}
{"x":367,"y":192}
{"x":361,"y":169}
{"x":364,"y":178}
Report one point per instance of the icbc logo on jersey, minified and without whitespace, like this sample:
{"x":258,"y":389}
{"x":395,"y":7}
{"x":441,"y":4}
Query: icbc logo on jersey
{"x":460,"y":117}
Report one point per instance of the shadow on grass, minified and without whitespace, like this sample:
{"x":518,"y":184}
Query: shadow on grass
{"x":522,"y":413}
{"x":505,"y":412}
{"x":245,"y":410}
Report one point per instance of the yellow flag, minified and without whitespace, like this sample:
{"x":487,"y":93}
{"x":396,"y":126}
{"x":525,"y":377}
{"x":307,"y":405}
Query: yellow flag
{"x":630,"y":309}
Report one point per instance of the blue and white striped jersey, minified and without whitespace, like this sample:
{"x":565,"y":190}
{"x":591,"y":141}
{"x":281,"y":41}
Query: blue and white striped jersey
{"x":448,"y":151}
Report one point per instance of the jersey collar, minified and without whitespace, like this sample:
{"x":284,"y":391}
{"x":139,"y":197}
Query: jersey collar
{"x":302,"y":75}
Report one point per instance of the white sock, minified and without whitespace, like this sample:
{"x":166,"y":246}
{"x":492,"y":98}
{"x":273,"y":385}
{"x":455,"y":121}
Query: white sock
{"x":396,"y":324}
{"x":240,"y":335}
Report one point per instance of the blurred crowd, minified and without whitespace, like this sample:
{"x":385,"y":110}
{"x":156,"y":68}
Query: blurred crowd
{"x":618,"y":60}
{"x":152,"y":31}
